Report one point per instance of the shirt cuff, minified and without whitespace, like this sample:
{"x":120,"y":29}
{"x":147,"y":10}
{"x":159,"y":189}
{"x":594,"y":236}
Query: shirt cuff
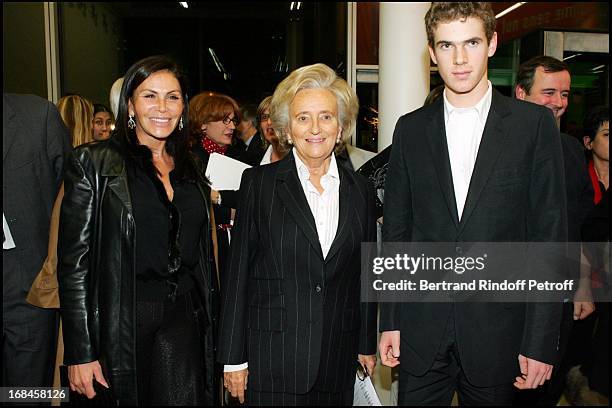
{"x":228,"y":368}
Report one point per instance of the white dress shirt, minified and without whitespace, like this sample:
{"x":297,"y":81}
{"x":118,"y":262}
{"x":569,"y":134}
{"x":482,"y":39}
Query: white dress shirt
{"x":267,"y":157}
{"x":464,"y":128}
{"x":325,"y":208}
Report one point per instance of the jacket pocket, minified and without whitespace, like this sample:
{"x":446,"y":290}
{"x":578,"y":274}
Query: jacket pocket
{"x":267,"y":312}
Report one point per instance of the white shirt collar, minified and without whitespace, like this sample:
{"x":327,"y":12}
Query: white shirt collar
{"x":482,"y":106}
{"x":304,"y":173}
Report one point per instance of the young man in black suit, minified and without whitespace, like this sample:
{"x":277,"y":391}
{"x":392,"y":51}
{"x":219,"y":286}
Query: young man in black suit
{"x":474,"y":166}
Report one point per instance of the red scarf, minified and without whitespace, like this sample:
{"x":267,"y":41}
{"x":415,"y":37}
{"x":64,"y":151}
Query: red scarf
{"x":595,"y":182}
{"x":211,"y":147}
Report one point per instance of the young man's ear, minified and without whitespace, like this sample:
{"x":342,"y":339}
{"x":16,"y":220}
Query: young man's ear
{"x":520,"y":93}
{"x":432,"y":54}
{"x":492,"y":45}
{"x":587,"y":142}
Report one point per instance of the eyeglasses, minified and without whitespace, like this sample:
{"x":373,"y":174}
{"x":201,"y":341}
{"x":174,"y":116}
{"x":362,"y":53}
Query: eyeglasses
{"x":227,"y":120}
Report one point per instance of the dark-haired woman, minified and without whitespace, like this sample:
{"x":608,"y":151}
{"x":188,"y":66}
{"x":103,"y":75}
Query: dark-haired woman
{"x":134,"y":252}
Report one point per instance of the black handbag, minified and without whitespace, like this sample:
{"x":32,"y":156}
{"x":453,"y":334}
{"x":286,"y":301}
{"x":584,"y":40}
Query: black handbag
{"x":104,"y":396}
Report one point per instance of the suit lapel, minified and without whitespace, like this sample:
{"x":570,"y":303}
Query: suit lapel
{"x":292,"y":195}
{"x":346,"y":197}
{"x":9,"y":128}
{"x":493,"y":138}
{"x":436,"y":135}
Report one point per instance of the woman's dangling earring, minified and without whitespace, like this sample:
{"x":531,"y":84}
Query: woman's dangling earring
{"x":131,"y":123}
{"x":180,"y":126}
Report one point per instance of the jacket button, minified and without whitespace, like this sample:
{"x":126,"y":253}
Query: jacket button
{"x":318,"y":288}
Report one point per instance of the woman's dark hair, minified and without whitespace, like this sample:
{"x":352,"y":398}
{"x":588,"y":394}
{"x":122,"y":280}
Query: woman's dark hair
{"x":98,"y":107}
{"x":177,"y":144}
{"x":595,"y":118}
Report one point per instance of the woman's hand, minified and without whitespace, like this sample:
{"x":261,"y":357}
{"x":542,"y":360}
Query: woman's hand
{"x":81,"y":378}
{"x":368,"y":362}
{"x":236,"y":383}
{"x":214,"y":196}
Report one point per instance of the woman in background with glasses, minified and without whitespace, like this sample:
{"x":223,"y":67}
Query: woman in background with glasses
{"x":213,"y":119}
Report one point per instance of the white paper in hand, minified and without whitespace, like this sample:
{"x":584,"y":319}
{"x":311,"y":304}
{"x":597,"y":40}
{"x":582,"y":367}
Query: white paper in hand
{"x":364,"y":394}
{"x":224,"y":172}
{"x":8,"y":242}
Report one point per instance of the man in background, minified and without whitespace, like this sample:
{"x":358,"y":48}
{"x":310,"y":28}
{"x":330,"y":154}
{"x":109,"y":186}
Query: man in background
{"x":546,"y":81}
{"x":35,"y":142}
{"x":248,"y":133}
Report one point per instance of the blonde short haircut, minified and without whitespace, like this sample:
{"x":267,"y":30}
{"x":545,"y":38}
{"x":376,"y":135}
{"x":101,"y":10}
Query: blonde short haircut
{"x":77,"y":114}
{"x":114,"y":94}
{"x":317,"y":76}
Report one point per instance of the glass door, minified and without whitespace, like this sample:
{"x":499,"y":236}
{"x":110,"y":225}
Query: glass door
{"x":587,"y":55}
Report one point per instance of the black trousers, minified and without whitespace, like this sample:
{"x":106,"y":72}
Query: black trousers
{"x":170,"y":365}
{"x":29,"y":333}
{"x":438,"y":385}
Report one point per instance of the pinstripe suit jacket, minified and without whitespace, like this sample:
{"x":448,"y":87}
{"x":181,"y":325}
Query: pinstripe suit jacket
{"x":294,"y":316}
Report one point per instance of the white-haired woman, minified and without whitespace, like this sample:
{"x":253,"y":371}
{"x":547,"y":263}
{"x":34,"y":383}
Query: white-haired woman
{"x":292,"y":323}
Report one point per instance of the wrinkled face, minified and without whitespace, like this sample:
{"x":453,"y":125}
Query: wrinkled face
{"x":221,"y":131}
{"x":102,"y":123}
{"x":600,"y":146}
{"x":157,"y":105}
{"x":550,"y":89}
{"x":265,"y":124}
{"x":461,"y":52}
{"x":314,"y":126}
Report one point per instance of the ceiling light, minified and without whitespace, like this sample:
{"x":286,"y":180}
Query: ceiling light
{"x":291,"y":6}
{"x":184,"y":4}
{"x":571,"y":56}
{"x":511,"y":8}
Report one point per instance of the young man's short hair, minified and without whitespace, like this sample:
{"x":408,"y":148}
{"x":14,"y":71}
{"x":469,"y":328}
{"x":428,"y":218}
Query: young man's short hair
{"x":527,"y":70}
{"x":443,"y":12}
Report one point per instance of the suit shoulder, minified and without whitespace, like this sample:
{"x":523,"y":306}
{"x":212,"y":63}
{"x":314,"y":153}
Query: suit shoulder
{"x":27,"y":105}
{"x":100,"y":153}
{"x":572,"y":142}
{"x":264,"y":171}
{"x":419,"y":114}
{"x":571,"y":145}
{"x":524,"y":108}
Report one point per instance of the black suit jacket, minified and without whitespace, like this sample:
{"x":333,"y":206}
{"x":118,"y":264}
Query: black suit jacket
{"x":254,"y":152}
{"x":517,"y":193}
{"x":34,"y":144}
{"x":293,"y":316}
{"x":579,"y":191}
{"x":578,"y":186}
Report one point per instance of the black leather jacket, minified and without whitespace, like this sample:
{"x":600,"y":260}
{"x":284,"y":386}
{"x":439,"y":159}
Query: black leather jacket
{"x":96,"y":271}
